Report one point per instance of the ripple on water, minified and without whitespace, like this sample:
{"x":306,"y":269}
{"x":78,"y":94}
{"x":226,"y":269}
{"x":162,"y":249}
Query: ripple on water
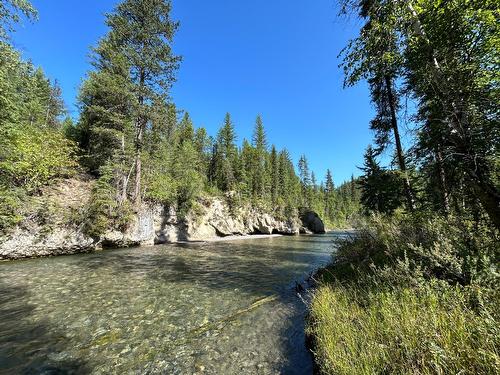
{"x":165,"y":309}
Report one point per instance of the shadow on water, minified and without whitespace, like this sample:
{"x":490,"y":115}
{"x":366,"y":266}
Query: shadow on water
{"x":274,"y":270}
{"x":178,"y":285}
{"x":30,"y":347}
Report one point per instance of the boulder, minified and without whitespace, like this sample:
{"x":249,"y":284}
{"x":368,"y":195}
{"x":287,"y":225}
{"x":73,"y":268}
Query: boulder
{"x":312,"y":221}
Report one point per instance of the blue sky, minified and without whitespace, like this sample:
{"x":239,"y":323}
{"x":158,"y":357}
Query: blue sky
{"x":277,"y":58}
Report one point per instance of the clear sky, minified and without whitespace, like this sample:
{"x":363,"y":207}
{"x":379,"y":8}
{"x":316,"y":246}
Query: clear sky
{"x":273,"y":57}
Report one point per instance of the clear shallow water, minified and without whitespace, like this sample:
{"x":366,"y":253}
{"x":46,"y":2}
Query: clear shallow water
{"x":174,"y":309}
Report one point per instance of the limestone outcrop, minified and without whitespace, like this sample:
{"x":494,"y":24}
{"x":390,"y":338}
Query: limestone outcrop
{"x":154,"y":224}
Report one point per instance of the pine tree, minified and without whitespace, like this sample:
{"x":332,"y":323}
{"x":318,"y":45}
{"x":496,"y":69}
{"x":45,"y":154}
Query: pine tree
{"x":186,"y":129}
{"x":381,"y":190}
{"x":141,"y":33}
{"x":225,"y":156}
{"x":305,"y":180}
{"x":275,"y":176}
{"x":11,"y":12}
{"x":259,"y":171}
{"x":329,"y":194}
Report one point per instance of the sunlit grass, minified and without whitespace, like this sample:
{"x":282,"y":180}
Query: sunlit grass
{"x":408,"y":331}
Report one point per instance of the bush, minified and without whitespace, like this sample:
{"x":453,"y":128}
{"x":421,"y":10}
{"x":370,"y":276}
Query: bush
{"x":409,"y":249}
{"x":32,"y":157}
{"x":10,"y":204}
{"x":410,"y":295}
{"x":104,"y":212}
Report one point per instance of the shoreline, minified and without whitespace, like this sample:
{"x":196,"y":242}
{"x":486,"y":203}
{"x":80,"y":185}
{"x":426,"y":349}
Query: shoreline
{"x":233,"y":238}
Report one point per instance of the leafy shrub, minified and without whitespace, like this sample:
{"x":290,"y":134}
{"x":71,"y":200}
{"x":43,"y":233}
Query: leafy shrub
{"x":10,"y":203}
{"x":407,"y":249}
{"x":32,"y":156}
{"x":410,"y":295}
{"x":104,"y":211}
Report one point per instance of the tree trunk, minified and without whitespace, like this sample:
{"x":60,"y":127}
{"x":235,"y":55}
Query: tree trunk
{"x":442,"y":179}
{"x":140,"y":126}
{"x":399,"y":148}
{"x":125,"y":177}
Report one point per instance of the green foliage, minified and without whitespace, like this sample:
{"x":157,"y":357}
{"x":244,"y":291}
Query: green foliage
{"x":405,"y":250}
{"x":25,"y":162}
{"x":11,"y":201}
{"x":104,"y":212}
{"x":11,"y":12}
{"x":381,"y":190}
{"x":454,"y":81}
{"x":410,"y":294}
{"x":135,"y":68}
{"x":33,"y":149}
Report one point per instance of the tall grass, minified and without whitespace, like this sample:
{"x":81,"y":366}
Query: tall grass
{"x":428,"y":331}
{"x":392,"y":304}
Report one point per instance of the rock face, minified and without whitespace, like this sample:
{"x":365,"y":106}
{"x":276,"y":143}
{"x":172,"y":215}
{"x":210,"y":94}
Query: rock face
{"x":312,"y":222}
{"x":23,"y":243}
{"x":152,"y":224}
{"x":51,"y":233}
{"x":213,"y":219}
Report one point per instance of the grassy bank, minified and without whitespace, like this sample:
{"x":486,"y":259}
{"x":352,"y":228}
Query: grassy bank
{"x":406,"y":298}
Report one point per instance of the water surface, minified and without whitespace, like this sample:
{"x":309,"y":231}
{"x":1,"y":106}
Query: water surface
{"x":173,"y":309}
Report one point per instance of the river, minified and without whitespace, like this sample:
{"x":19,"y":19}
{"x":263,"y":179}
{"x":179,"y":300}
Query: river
{"x":207,"y":308}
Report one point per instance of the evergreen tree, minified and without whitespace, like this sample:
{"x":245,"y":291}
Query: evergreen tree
{"x":376,"y":56}
{"x":329,"y":194}
{"x":260,"y":154}
{"x":305,"y":180}
{"x":186,"y":129}
{"x":275,"y":176}
{"x":140,"y":38}
{"x":380,"y":189}
{"x":11,"y":12}
{"x":225,"y":156}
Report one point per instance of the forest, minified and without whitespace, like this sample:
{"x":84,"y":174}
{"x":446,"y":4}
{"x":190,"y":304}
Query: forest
{"x":415,"y":288}
{"x":133,"y":140}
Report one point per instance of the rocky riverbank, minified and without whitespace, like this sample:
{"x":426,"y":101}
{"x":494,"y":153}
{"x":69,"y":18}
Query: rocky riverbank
{"x":151,"y":224}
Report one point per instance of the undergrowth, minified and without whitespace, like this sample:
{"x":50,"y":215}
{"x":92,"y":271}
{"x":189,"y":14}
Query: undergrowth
{"x":409,"y":296}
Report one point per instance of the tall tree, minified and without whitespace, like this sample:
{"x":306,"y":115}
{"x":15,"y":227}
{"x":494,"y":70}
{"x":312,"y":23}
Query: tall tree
{"x":225,"y":155}
{"x":142,"y":31}
{"x":329,"y":192}
{"x":380,"y":189}
{"x":274,"y":178}
{"x":186,"y":129}
{"x":305,"y":180}
{"x":260,"y":145}
{"x":375,"y":55}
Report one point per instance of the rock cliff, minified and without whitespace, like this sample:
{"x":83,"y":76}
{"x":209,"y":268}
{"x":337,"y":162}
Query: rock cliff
{"x":152,"y":224}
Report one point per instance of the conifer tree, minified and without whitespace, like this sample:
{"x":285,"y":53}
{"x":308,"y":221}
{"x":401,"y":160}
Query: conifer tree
{"x":329,"y":192}
{"x":140,"y":36}
{"x":381,"y":189}
{"x":225,"y":156}
{"x":186,"y":129}
{"x":275,"y":176}
{"x":260,"y":146}
{"x":305,"y":180}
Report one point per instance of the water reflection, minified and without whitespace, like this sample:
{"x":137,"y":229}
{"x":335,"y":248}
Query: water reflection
{"x":139,"y":310}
